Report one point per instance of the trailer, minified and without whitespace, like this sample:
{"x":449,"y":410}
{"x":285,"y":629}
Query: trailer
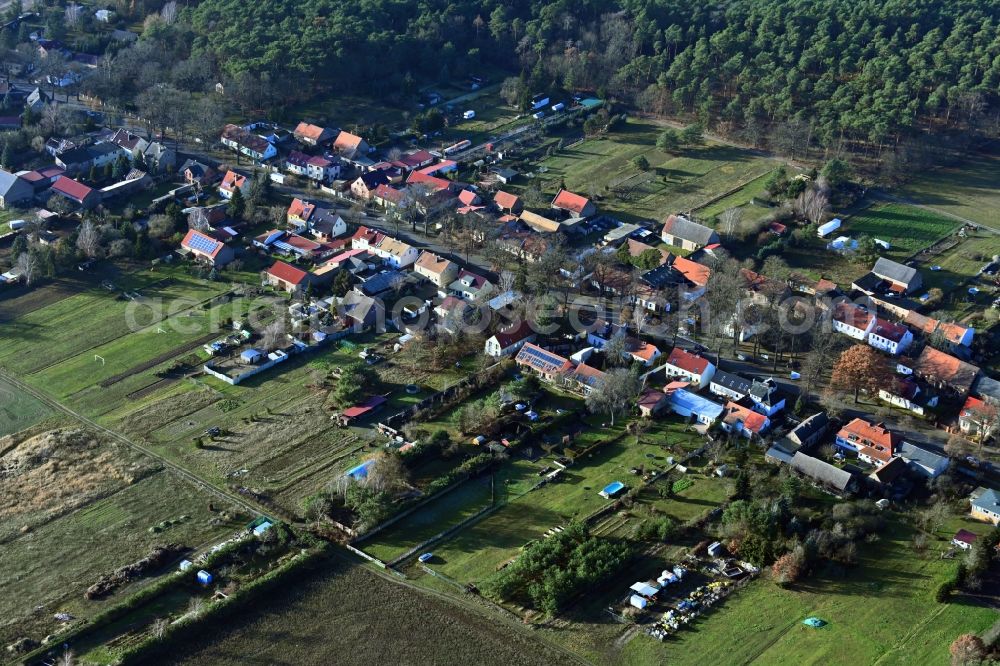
{"x":457,"y":147}
{"x":469,"y":115}
{"x":558,"y":107}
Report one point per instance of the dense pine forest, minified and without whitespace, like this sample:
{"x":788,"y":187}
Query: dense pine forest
{"x":862,"y":76}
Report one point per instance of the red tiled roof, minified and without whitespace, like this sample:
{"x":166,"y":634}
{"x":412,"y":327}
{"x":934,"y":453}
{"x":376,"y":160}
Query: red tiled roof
{"x":72,"y":189}
{"x":301,"y":209}
{"x":889,"y":330}
{"x":206,"y":242}
{"x":432,"y":169}
{"x":513,"y":335}
{"x":852,"y":315}
{"x":692,"y":270}
{"x":287,"y":273}
{"x":347,"y":141}
{"x":752,"y":421}
{"x":867,"y":435}
{"x":301,"y":243}
{"x":309,"y":131}
{"x":641,"y":349}
{"x":233,"y":180}
{"x":319,"y":161}
{"x":437,"y":184}
{"x":567,"y":200}
{"x":685,"y":360}
{"x":506,"y":200}
{"x":650,"y":398}
{"x":945,"y":367}
{"x":415,"y":159}
{"x":468,"y":197}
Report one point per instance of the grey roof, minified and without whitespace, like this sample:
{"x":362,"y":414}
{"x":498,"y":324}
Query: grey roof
{"x":357,"y":306}
{"x":894,"y":271}
{"x":986,"y":387}
{"x":913,"y":453}
{"x":762,"y":390}
{"x":989,"y":500}
{"x":779,"y":453}
{"x":681,"y":227}
{"x":820,"y":471}
{"x":810,"y":427}
{"x":732,"y":381}
{"x":12,"y":186}
{"x":380,"y":282}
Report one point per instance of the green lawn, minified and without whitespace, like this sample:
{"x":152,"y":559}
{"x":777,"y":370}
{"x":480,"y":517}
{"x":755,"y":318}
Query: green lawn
{"x":907,"y":229}
{"x":18,"y":410}
{"x":881,"y":611}
{"x":674,"y":183}
{"x":431,"y":519}
{"x":742,"y":198}
{"x":968,"y":190}
{"x":78,"y":323}
{"x":475,"y":552}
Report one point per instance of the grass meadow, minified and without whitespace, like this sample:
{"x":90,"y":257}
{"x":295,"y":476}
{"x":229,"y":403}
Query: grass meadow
{"x":680,"y":182}
{"x":968,"y":190}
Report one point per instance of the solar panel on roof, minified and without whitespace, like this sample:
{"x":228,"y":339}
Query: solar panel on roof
{"x":203,"y":244}
{"x":543,"y":358}
{"x":282,"y":245}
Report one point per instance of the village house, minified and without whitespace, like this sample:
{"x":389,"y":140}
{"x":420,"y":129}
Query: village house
{"x":364,"y":186}
{"x":296,"y":162}
{"x":322,"y":169}
{"x":132,"y":144}
{"x":644,"y":352}
{"x":874,"y":443}
{"x":299,"y":212}
{"x":964,"y":539}
{"x":509,"y":340}
{"x":904,"y":279}
{"x":325,"y":225}
{"x":805,"y":435}
{"x":574,"y":204}
{"x":823,"y":474}
{"x":889,"y":336}
{"x":78,"y":161}
{"x":159,"y":158}
{"x":286,"y":277}
{"x":356,"y":309}
{"x":429,"y":184}
{"x":508,"y":203}
{"x":922,"y":461}
{"x":78,"y":193}
{"x":955,"y":334}
{"x":231,"y":182}
{"x":312,"y":135}
{"x":765,"y":397}
{"x":539,"y":223}
{"x":396,"y":253}
{"x":438,"y":270}
{"x":470,"y":286}
{"x":730,"y":385}
{"x":651,"y":402}
{"x":390,"y":198}
{"x":15,"y":191}
{"x":945,"y":372}
{"x":693,"y":406}
{"x":743,"y":421}
{"x":366,"y":239}
{"x":684,"y":364}
{"x":247,"y":143}
{"x":415,"y":160}
{"x":451,"y":314}
{"x":986,"y":506}
{"x":584,"y":378}
{"x":542,"y":362}
{"x":678,"y":231}
{"x":853,"y":320}
{"x":207,"y":249}
{"x":196,"y":173}
{"x":906,"y":393}
{"x":978,"y":418}
{"x":350,"y":145}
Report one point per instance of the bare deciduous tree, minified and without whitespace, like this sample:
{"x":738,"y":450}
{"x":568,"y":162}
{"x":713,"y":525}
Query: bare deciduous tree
{"x":812,"y":205}
{"x":273,"y":335}
{"x":169,"y":12}
{"x":729,"y":221}
{"x":27,"y":266}
{"x":89,"y":240}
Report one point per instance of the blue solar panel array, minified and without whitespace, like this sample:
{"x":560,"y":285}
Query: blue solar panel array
{"x":203,"y":244}
{"x":542,"y":358}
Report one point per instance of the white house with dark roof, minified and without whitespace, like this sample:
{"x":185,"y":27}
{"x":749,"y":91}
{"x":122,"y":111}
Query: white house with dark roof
{"x":509,"y":340}
{"x":904,"y":279}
